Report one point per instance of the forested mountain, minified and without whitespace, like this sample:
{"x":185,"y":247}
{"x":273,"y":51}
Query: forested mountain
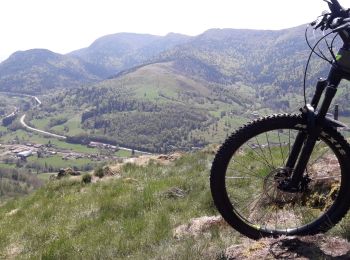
{"x":256,"y":57}
{"x":253,"y":56}
{"x":120,"y":51}
{"x":155,"y":108}
{"x":37,"y":70}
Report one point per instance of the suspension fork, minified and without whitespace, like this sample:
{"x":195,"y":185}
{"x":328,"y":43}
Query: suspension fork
{"x":305,"y":142}
{"x":294,"y":154}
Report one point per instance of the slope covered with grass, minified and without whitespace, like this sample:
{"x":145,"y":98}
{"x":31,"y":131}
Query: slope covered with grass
{"x":131,"y":216}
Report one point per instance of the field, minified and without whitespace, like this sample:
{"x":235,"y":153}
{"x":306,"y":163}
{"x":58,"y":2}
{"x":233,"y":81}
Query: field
{"x":58,"y":162}
{"x":25,"y":136}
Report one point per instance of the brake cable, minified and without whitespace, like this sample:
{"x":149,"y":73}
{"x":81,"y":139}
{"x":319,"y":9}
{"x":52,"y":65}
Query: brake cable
{"x":309,"y":59}
{"x":308,"y":43}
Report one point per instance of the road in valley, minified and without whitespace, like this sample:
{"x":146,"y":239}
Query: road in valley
{"x":40,"y":131}
{"x":23,"y":123}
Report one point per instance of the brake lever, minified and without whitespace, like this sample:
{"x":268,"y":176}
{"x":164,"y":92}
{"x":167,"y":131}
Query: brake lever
{"x":320,"y":22}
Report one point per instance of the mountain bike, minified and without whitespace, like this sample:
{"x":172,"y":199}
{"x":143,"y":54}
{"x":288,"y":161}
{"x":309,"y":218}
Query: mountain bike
{"x":289,"y":174}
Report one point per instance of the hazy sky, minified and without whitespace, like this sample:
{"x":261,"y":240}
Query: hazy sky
{"x":66,"y":25}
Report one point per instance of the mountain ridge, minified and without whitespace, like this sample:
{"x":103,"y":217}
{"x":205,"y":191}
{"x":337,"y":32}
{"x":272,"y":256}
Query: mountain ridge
{"x":228,"y":52}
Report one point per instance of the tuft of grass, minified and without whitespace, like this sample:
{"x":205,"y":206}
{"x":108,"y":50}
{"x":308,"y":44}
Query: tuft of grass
{"x":86,"y":178}
{"x":99,"y":172}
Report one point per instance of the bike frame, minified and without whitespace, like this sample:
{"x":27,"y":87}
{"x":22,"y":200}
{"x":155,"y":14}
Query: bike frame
{"x":305,"y":142}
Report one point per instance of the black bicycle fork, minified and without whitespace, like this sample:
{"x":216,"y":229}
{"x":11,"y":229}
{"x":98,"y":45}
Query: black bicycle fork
{"x":306,"y":140}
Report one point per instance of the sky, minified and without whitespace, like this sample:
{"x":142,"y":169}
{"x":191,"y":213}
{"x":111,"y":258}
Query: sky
{"x":66,"y":25}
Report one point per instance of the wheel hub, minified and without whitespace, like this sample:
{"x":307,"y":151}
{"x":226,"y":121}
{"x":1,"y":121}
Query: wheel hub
{"x":278,"y":187}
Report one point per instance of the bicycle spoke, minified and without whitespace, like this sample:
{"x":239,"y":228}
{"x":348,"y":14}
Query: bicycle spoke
{"x":289,"y":143}
{"x":245,"y":167}
{"x":262,"y":157}
{"x":268,"y":143}
{"x":262,"y":151}
{"x":279,"y":138}
{"x":319,"y":157}
{"x":264,"y":160}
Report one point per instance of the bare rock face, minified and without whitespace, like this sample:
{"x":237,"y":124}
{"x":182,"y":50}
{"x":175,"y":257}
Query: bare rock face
{"x":166,"y":158}
{"x":309,"y":247}
{"x":174,"y":193}
{"x":67,"y":172}
{"x":163,"y":159}
{"x":197,"y":226}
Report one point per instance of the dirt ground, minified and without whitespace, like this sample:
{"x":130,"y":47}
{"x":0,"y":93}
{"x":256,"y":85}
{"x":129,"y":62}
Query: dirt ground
{"x":309,"y":247}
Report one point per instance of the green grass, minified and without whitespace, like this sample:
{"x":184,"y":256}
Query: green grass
{"x":57,"y":161}
{"x":45,"y":176}
{"x":129,"y":217}
{"x":225,"y":126}
{"x":73,"y":147}
{"x":7,"y":166}
{"x":147,"y":92}
{"x":40,"y":123}
{"x":73,"y":125}
{"x":123,"y":153}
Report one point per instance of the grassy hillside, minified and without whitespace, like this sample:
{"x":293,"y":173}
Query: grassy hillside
{"x":16,"y":182}
{"x":132,"y":216}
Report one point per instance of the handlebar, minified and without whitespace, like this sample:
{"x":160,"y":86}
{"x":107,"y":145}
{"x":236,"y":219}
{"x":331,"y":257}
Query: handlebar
{"x":338,"y":19}
{"x":336,"y":9}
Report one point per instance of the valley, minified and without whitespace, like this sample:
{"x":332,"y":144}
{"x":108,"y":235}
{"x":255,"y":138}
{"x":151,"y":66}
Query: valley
{"x":131,"y":94}
{"x":106,"y":151}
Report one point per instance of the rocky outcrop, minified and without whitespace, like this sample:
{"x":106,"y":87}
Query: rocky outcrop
{"x":309,"y":247}
{"x":67,"y":172}
{"x":318,"y":246}
{"x":198,"y":226}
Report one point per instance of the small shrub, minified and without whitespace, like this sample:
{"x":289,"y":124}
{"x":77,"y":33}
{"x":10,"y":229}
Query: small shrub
{"x":99,"y":172}
{"x":86,"y":178}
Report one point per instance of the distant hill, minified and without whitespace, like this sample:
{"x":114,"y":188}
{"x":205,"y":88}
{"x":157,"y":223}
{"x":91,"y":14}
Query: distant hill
{"x":37,"y":70}
{"x":225,"y":56}
{"x":253,"y":56}
{"x":120,"y":51}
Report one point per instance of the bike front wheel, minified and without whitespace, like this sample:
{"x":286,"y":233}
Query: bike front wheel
{"x":248,"y":169}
